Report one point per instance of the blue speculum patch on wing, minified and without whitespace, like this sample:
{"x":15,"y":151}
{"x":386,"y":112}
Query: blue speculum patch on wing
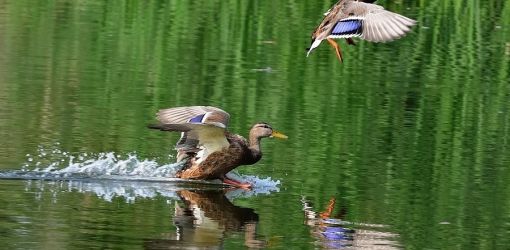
{"x":350,"y":27}
{"x":197,"y":119}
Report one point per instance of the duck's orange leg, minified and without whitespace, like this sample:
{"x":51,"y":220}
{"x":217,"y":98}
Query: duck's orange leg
{"x":235,"y":183}
{"x":338,"y":50}
{"x":329,"y":209}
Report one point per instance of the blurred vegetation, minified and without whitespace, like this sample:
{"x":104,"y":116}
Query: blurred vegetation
{"x":410,"y":133}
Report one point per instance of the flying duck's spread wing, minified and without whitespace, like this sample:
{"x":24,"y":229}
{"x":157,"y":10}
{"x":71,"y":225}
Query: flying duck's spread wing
{"x":370,"y":22}
{"x":202,"y":127}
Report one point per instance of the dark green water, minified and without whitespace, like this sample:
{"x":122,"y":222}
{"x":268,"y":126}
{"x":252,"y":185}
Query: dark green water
{"x":411,"y":138}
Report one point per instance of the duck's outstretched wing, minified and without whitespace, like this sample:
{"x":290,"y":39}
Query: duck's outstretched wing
{"x":370,"y":22}
{"x":194,"y":114}
{"x":200,"y":126}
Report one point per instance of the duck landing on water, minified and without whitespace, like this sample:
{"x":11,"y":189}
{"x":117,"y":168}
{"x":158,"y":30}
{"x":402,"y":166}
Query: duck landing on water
{"x":359,"y":18}
{"x":207,"y":149}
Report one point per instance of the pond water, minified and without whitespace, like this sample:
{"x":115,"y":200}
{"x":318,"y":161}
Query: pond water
{"x":404,"y":145}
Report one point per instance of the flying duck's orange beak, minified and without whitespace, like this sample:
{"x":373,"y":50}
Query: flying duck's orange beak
{"x":278,"y":135}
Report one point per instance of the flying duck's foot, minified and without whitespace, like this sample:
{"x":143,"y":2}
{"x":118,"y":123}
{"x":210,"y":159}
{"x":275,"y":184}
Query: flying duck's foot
{"x":338,"y":50}
{"x":329,"y":209}
{"x":235,"y":183}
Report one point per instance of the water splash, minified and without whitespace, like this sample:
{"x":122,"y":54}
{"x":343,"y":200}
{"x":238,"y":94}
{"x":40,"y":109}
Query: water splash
{"x":64,"y":164}
{"x":110,"y":175}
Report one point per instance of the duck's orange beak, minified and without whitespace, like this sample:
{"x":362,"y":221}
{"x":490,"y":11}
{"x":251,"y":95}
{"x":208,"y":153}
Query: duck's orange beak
{"x":278,"y":135}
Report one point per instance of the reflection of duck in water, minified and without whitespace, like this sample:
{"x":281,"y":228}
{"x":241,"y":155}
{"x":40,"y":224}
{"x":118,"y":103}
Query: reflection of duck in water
{"x":205,"y":219}
{"x":335,"y":233}
{"x":207,"y":149}
{"x":359,"y":18}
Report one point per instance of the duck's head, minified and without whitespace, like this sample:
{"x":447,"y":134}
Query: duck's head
{"x":262,"y":129}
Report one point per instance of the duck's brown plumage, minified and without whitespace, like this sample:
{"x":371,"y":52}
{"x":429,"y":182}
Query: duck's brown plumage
{"x":207,"y":149}
{"x":221,"y":162}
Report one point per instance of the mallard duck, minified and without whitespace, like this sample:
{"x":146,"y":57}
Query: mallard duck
{"x":359,"y":18}
{"x":208,"y":151}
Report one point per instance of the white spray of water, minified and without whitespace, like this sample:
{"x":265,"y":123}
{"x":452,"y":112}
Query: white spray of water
{"x":110,"y":175}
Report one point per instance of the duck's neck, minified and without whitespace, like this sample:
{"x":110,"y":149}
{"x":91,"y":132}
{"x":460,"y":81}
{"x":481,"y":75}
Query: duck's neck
{"x":255,"y":147}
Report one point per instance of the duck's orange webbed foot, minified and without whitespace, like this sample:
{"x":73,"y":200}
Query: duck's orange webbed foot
{"x":337,"y":48}
{"x":232,"y":182}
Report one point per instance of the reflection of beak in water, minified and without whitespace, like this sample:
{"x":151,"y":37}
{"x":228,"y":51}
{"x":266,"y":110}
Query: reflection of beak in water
{"x":334,"y":232}
{"x":205,"y":219}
